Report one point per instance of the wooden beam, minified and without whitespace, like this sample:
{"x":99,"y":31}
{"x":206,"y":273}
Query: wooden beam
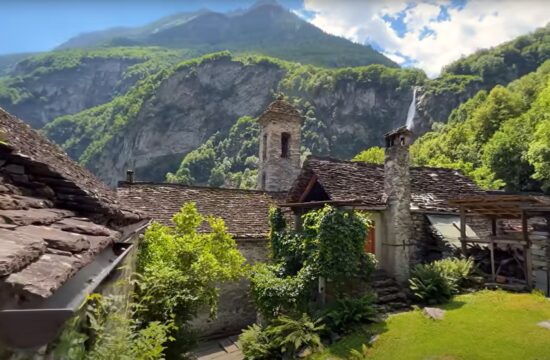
{"x":492,"y":238}
{"x":309,"y":186}
{"x":527,"y":250}
{"x":463,"y":230}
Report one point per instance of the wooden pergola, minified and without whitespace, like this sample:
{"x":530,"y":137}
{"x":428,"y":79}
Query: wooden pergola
{"x":503,"y":206}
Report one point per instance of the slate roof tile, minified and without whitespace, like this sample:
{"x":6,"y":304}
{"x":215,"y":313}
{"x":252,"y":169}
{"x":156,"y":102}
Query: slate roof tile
{"x":245,"y":212}
{"x":364,"y":182}
{"x":55,"y":217}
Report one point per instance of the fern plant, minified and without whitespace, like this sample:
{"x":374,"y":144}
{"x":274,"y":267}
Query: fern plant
{"x":430,"y":285}
{"x":348,"y":313}
{"x":291,"y":335}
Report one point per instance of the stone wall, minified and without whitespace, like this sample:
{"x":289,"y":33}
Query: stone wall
{"x":236,"y":309}
{"x":275,"y":172}
{"x":398,"y":244}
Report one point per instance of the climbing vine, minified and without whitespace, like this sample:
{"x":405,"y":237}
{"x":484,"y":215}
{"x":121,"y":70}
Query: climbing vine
{"x":330,"y":245}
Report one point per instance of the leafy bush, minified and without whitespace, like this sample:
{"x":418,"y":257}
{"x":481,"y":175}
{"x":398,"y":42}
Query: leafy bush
{"x":180,"y":269}
{"x":437,"y":282}
{"x":112,"y":329}
{"x":283,"y":339}
{"x":458,"y":271}
{"x":291,"y":335}
{"x":348,"y":313}
{"x":430,"y":285}
{"x":255,"y":343}
{"x":274,"y":293}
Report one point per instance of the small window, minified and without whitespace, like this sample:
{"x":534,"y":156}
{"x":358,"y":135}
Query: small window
{"x":263,"y":181}
{"x":264,"y":147}
{"x":285,"y":140}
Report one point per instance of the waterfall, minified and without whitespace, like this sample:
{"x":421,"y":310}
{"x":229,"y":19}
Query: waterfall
{"x":412,"y":111}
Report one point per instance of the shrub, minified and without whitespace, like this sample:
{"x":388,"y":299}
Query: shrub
{"x":290,"y":335}
{"x":458,"y":271}
{"x":436,"y":282}
{"x":283,"y":339}
{"x":255,"y":343}
{"x":180,"y":269}
{"x":430,"y":285}
{"x":275,"y":294}
{"x":348,"y":313}
{"x":107,"y":327}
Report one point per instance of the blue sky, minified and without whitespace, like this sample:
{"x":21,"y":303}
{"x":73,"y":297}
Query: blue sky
{"x":424,"y":33}
{"x":40,"y":25}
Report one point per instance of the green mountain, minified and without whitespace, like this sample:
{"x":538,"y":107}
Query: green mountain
{"x":266,"y":28}
{"x":501,"y":138}
{"x":43,"y":87}
{"x":170,"y":114}
{"x":463,"y":78}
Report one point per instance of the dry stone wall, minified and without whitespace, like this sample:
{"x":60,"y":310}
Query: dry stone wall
{"x":236,"y":309}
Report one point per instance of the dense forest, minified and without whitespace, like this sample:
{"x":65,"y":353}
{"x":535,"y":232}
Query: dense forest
{"x":501,"y":138}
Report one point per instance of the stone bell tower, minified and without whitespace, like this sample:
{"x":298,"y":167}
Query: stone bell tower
{"x":279,"y":158}
{"x":397,"y":187}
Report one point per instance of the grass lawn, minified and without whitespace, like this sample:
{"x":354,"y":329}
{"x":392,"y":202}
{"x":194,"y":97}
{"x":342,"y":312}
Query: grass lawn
{"x":485,"y":325}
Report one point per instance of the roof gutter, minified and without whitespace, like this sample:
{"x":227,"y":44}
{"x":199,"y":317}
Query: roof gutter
{"x":32,"y":328}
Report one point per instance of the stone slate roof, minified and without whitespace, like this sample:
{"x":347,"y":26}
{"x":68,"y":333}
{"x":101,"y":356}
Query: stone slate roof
{"x":53,"y":167}
{"x":281,"y":106}
{"x":431,"y":188}
{"x":55,"y":217}
{"x":245,"y":212}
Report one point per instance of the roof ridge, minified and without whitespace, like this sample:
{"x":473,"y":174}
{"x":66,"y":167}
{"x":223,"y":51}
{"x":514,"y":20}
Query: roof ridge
{"x":122,"y":184}
{"x":336,"y":160}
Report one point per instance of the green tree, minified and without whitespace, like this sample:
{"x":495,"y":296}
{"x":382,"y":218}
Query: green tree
{"x":181,"y":269}
{"x":373,"y":155}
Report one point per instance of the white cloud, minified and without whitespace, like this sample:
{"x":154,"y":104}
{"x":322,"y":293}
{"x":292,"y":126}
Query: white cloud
{"x":430,"y":43}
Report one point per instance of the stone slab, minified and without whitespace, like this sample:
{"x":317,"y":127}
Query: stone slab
{"x":17,"y":252}
{"x":44,"y":276}
{"x":544,"y":324}
{"x":82,"y":226}
{"x":434,"y":313}
{"x":33,"y":216}
{"x":57,"y":238}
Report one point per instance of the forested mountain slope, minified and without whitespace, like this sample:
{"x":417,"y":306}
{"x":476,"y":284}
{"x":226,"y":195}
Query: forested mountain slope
{"x":483,"y":70}
{"x":266,"y":28}
{"x":501,"y":138}
{"x":43,"y":87}
{"x":174,"y":112}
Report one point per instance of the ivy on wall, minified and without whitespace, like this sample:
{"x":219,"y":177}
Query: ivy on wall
{"x":330,"y":244}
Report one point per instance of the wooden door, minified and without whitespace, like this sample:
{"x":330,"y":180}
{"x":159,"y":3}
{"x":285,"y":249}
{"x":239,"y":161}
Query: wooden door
{"x":370,"y":242}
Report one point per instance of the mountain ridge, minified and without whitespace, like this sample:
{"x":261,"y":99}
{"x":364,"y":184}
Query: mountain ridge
{"x":265,"y":28}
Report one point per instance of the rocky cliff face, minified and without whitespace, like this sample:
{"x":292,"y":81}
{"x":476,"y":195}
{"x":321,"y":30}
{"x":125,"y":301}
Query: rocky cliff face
{"x":187,"y":109}
{"x":70,"y":90}
{"x":192,"y":104}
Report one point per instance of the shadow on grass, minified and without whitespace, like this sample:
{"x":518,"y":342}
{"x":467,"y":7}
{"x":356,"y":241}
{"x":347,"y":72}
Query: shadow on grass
{"x":358,"y":337}
{"x":453,"y":305}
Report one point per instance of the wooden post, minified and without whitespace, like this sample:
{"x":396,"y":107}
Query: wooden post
{"x":527,"y":250}
{"x":463,"y":230}
{"x":492,"y":248}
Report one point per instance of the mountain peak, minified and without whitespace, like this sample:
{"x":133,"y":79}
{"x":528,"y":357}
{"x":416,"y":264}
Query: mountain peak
{"x":260,"y":3}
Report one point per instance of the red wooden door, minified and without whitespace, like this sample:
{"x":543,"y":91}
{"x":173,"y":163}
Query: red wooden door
{"x":370,"y":241}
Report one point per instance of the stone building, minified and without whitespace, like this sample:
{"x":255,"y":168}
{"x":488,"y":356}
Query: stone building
{"x":408,"y":204}
{"x":62,"y":236}
{"x":279,"y":158}
{"x":245,"y":213}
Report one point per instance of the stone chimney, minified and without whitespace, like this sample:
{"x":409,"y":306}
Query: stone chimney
{"x":397,"y":187}
{"x":279,"y":158}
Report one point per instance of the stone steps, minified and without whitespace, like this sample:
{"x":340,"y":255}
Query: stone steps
{"x":391,"y":297}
